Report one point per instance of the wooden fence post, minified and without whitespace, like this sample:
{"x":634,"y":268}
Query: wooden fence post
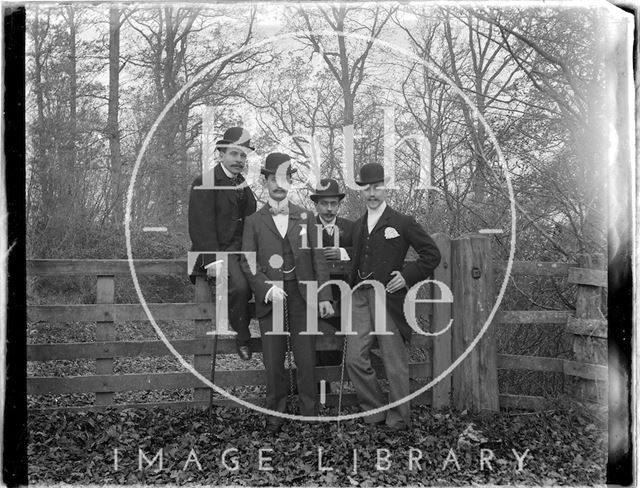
{"x":475,"y":380}
{"x":105,"y":331}
{"x":202,"y":362}
{"x":589,"y":328}
{"x":441,"y":355}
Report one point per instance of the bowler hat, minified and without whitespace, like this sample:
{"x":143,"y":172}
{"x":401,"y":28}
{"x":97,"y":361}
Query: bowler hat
{"x":235,"y":136}
{"x":327,"y":188}
{"x":371,"y":173}
{"x":274,"y":161}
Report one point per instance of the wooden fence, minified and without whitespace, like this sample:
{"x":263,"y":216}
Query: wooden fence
{"x":466,"y":268}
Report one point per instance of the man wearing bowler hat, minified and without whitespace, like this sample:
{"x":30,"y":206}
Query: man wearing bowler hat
{"x":337,"y":236}
{"x":280,"y":236}
{"x":381,"y":238}
{"x":216,"y":222}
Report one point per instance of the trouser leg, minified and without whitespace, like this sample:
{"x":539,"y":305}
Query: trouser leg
{"x":361,"y":373}
{"x":239,"y":296}
{"x":396,"y":365}
{"x":304,"y":350}
{"x":329,"y":358}
{"x":273,"y":356}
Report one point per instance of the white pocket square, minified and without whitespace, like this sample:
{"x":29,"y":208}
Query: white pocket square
{"x":390,"y":233}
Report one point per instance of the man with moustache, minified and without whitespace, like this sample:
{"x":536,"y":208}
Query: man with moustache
{"x":381,"y":238}
{"x":216,"y":221}
{"x":280,"y":236}
{"x":337,"y":236}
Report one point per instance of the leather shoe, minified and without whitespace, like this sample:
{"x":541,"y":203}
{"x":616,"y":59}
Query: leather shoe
{"x":244,"y":352}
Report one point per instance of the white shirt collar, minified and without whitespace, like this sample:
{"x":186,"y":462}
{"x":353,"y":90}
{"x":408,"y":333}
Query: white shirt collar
{"x":229,"y":174}
{"x":375,"y":214}
{"x":327,"y":224}
{"x":277,"y":205}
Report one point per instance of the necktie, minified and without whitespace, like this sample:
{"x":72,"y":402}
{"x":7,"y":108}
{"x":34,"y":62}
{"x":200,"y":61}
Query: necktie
{"x":329,"y":229}
{"x":283,"y":210}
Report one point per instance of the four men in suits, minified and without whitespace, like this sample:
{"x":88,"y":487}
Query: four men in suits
{"x":285,"y":242}
{"x":216,"y":221}
{"x":281,"y":237}
{"x":381,"y":238}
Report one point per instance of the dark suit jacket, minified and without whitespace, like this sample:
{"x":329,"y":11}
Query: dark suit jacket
{"x":213,"y":217}
{"x":389,"y":255}
{"x":345,"y":229}
{"x":261,"y":236}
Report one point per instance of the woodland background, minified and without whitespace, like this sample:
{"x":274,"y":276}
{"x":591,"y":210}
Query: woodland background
{"x":99,"y":76}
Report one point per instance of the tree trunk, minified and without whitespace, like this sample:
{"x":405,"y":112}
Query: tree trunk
{"x":73,"y":89}
{"x":39,"y":126}
{"x":113,"y":128}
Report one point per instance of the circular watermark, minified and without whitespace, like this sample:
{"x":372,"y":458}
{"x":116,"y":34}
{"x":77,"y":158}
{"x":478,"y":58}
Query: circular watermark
{"x":240,"y":401}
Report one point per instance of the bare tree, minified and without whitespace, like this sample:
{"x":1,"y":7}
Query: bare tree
{"x":112,"y":128}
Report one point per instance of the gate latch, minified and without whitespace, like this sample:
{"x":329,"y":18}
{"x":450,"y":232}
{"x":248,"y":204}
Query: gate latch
{"x":475,"y":272}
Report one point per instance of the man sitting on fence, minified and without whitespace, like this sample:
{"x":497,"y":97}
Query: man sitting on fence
{"x":281,"y":239}
{"x":381,"y":238}
{"x":216,"y":221}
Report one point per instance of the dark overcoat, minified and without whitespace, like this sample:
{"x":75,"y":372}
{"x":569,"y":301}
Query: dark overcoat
{"x":214,"y":215}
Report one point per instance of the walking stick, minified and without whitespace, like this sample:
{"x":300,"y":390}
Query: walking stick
{"x":349,"y":319}
{"x":212,"y":376}
{"x":289,"y":355}
{"x":342,"y":367}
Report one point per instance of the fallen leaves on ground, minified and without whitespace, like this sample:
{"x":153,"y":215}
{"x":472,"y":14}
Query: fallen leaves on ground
{"x":442,"y":448}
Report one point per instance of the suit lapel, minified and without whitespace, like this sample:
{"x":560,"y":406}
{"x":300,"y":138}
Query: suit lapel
{"x":223,"y":180}
{"x":358,"y":228}
{"x":384,"y":218}
{"x":294,"y":218}
{"x":268,"y":220}
{"x":251,"y":199}
{"x":342,"y":226}
{"x":323,"y":234}
{"x":327,"y":239}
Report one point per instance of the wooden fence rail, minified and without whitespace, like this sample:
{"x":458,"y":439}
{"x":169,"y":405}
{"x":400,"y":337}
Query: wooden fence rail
{"x":202,"y":311}
{"x":178,"y":267}
{"x":468,"y":269}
